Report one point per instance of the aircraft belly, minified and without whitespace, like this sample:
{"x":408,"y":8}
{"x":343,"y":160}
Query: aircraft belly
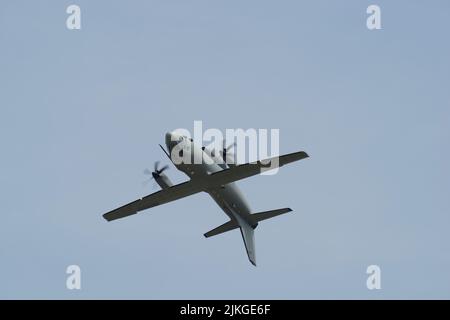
{"x":230,"y":198}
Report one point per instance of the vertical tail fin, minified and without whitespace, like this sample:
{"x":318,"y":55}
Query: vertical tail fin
{"x":247,"y":228}
{"x":248,"y":235}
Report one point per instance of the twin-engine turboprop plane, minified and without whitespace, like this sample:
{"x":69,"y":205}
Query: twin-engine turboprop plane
{"x":215,"y":177}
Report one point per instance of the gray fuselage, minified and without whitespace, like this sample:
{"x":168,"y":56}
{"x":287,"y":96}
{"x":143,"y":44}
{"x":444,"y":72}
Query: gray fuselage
{"x":229,"y":197}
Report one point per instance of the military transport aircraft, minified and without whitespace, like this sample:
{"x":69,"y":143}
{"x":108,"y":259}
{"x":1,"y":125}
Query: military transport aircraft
{"x":215,"y":177}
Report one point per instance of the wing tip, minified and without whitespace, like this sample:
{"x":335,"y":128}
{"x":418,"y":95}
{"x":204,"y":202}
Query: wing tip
{"x":303,"y":154}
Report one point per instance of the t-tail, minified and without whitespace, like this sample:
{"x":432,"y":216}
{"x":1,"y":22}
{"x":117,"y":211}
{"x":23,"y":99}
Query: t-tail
{"x":247,"y":227}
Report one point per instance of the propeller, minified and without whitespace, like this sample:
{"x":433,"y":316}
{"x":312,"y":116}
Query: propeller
{"x":156,"y":173}
{"x":159,"y":171}
{"x":225,"y":153}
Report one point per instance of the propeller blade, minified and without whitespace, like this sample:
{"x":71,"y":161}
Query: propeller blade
{"x":225,"y":152}
{"x":224,"y":147}
{"x":155,"y":166}
{"x":163,"y":168}
{"x":155,"y":173}
{"x":231,"y":146}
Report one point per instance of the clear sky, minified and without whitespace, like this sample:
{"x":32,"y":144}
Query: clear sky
{"x":82,"y":113}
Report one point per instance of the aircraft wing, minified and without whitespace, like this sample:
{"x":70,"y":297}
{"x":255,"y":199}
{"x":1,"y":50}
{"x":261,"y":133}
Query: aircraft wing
{"x":195,"y":186}
{"x":155,"y":199}
{"x":253,"y":168}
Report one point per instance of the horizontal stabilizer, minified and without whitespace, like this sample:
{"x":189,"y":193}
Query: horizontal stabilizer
{"x":230,"y":225}
{"x":268,"y":214}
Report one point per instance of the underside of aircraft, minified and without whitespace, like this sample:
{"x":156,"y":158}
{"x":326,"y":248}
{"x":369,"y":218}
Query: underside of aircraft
{"x":219,"y":182}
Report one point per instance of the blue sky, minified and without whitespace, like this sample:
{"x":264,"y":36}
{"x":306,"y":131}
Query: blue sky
{"x":82,"y":113}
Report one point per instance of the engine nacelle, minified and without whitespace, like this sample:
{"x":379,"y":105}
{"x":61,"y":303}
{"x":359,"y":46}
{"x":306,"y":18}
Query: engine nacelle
{"x":163,"y":181}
